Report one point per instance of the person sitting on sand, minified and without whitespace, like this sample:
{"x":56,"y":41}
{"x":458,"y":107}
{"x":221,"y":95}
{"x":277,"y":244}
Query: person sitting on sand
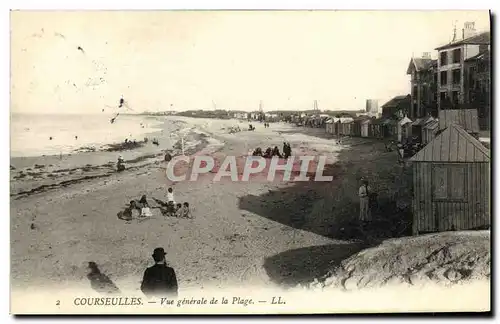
{"x":276,"y":152}
{"x":178,"y":210}
{"x":126,"y":214}
{"x":143,"y":202}
{"x":268,"y":153}
{"x":170,"y":196}
{"x":257,"y":152}
{"x":185,"y":211}
{"x":120,"y":165}
{"x":168,"y":157}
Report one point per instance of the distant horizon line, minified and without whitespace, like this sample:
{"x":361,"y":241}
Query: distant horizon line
{"x":171,"y":111}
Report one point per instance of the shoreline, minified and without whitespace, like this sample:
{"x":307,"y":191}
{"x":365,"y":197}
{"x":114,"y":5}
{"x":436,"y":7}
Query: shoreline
{"x":48,"y":172}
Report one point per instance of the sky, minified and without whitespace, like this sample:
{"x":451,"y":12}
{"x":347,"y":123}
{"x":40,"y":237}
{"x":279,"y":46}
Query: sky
{"x":180,"y":60}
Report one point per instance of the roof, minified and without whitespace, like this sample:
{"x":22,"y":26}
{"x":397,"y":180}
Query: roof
{"x":394,"y":102}
{"x":422,"y":121}
{"x":453,"y":145}
{"x":405,"y":120}
{"x":485,"y":55}
{"x":432,"y":124}
{"x":420,"y":64}
{"x":467,"y":118}
{"x":480,"y":39}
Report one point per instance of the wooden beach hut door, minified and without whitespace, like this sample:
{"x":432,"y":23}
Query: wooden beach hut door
{"x":449,"y":197}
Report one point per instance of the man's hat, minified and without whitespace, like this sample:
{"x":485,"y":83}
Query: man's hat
{"x":159,"y":252}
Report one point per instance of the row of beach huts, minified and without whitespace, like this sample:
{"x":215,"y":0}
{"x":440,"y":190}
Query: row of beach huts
{"x":451,"y":173}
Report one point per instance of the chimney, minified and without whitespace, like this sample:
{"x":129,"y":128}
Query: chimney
{"x":426,"y":55}
{"x":469,"y":30}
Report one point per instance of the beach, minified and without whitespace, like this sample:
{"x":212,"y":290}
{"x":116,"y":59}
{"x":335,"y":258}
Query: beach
{"x":252,"y":234}
{"x":76,"y":221}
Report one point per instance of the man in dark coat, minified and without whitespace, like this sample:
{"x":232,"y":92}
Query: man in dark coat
{"x":159,"y":280}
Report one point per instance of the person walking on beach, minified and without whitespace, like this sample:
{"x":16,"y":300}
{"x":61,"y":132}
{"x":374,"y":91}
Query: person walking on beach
{"x":364,"y":201}
{"x":159,"y":280}
{"x":401,"y":153}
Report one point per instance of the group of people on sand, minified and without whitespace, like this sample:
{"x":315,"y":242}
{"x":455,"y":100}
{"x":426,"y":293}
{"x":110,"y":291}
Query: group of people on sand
{"x":142,"y":208}
{"x":270,"y":152}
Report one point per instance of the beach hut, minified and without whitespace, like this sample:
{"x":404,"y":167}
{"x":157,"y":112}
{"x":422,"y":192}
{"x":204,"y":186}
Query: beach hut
{"x":345,"y":126}
{"x":356,"y":127}
{"x":390,"y":128}
{"x":375,"y":129}
{"x":417,"y":127}
{"x":430,"y":131}
{"x":364,"y":127}
{"x":404,"y":129}
{"x":329,"y":126}
{"x":451,"y":183}
{"x":467,"y":118}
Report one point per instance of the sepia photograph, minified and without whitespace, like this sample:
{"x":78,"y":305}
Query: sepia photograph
{"x":250,"y":161}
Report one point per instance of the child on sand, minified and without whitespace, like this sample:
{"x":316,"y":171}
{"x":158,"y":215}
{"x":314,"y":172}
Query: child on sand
{"x":170,"y":196}
{"x":178,"y":210}
{"x":185,"y":212}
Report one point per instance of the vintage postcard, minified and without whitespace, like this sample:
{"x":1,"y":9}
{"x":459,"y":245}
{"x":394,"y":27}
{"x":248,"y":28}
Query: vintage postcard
{"x":250,"y":162}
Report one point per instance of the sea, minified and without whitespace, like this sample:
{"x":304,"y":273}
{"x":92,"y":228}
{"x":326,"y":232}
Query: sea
{"x":30,"y":133}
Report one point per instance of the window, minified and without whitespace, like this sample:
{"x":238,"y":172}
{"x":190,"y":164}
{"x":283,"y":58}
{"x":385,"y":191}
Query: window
{"x":481,"y":67}
{"x":415,"y":92}
{"x":454,"y":97}
{"x":457,"y":55}
{"x":444,"y":77}
{"x":449,"y":182}
{"x":435,"y":78}
{"x":443,"y":58}
{"x":455,"y":76}
{"x":425,"y":93}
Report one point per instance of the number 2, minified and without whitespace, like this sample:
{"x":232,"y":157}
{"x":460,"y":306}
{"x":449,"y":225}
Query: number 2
{"x":58,"y":303}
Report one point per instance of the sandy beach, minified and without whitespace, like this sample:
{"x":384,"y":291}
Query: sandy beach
{"x":252,"y":234}
{"x":75,"y":222}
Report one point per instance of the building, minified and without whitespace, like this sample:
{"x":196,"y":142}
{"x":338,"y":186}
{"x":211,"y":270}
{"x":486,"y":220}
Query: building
{"x":424,"y":78}
{"x":365,"y":124}
{"x":452,"y":57}
{"x":240,"y":115}
{"x":418,"y":127}
{"x":372,"y":108}
{"x":430,"y":131}
{"x":451,"y":183}
{"x":477,"y":78}
{"x":397,"y":107}
{"x":466,"y":118}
